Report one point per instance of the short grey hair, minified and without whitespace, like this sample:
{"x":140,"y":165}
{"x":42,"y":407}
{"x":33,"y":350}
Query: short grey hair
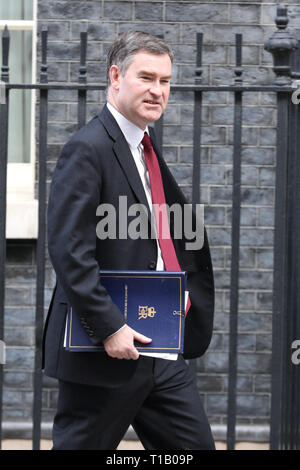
{"x":128,"y":44}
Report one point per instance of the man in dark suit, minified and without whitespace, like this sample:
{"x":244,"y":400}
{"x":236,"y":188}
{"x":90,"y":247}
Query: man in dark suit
{"x":101,"y":394}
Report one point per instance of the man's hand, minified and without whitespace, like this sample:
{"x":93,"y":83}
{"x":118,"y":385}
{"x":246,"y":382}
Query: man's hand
{"x":121,"y":346}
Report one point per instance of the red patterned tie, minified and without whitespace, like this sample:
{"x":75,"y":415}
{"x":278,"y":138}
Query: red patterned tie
{"x":160,"y":210}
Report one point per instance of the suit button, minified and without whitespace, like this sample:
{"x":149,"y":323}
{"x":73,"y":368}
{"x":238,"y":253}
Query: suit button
{"x":152,"y":265}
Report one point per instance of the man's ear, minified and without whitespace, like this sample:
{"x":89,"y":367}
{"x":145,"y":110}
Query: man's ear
{"x":114,"y":75}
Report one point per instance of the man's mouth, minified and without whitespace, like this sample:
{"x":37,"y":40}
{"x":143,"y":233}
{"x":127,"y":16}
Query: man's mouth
{"x":152,"y":102}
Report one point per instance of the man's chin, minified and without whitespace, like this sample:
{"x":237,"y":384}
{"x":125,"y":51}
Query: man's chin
{"x":152,"y":116}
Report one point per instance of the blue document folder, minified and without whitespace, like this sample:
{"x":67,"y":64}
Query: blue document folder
{"x":152,"y":302}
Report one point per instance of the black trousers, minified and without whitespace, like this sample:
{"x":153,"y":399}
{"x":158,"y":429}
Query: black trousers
{"x":161,"y":402}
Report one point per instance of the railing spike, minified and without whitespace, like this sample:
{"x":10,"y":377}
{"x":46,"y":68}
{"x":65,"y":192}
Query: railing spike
{"x":238,"y":60}
{"x":5,"y":55}
{"x":44,"y":65}
{"x":83,"y":48}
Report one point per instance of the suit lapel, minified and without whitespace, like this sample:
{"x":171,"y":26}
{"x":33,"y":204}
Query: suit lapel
{"x":124,"y":155}
{"x":127,"y":162}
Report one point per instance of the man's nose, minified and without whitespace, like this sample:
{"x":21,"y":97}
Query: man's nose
{"x":156,"y":89}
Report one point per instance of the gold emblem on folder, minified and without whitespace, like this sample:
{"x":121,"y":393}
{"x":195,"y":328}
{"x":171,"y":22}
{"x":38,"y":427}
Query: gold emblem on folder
{"x":145,"y":312}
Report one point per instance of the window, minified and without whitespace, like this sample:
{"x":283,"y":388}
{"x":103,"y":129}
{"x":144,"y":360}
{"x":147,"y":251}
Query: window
{"x":20,"y":18}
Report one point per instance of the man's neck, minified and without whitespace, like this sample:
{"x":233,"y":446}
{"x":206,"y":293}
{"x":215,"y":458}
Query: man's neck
{"x":131,"y":131}
{"x":111,"y":103}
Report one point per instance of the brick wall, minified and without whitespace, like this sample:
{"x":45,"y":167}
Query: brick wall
{"x":178,"y":22}
{"x":19,"y":331}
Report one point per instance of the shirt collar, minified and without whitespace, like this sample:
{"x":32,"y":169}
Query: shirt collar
{"x":133,"y":134}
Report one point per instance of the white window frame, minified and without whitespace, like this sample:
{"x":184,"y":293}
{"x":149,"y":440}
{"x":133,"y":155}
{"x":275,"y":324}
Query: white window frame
{"x":22,"y":207}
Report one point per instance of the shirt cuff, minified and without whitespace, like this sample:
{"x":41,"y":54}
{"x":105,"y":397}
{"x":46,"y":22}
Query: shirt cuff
{"x":116,"y":331}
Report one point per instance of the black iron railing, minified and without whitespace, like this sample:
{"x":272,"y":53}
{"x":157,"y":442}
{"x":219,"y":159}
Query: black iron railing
{"x":285,"y":407}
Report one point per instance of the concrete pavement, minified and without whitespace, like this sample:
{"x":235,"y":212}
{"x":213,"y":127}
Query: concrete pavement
{"x":25,"y":444}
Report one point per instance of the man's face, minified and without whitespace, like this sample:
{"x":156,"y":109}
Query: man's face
{"x":142,"y":93}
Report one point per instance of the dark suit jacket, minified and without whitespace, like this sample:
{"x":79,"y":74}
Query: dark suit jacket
{"x":96,"y":166}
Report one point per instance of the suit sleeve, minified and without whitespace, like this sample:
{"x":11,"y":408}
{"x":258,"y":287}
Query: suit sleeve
{"x":74,"y":198}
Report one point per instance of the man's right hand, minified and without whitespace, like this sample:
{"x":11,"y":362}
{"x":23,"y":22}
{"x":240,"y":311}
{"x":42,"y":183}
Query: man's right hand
{"x":121,"y":344}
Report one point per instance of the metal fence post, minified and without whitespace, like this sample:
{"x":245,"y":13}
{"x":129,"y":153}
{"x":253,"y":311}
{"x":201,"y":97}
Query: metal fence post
{"x":3,"y":185}
{"x":236,"y":213}
{"x":41,"y":248}
{"x":281,"y":45}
